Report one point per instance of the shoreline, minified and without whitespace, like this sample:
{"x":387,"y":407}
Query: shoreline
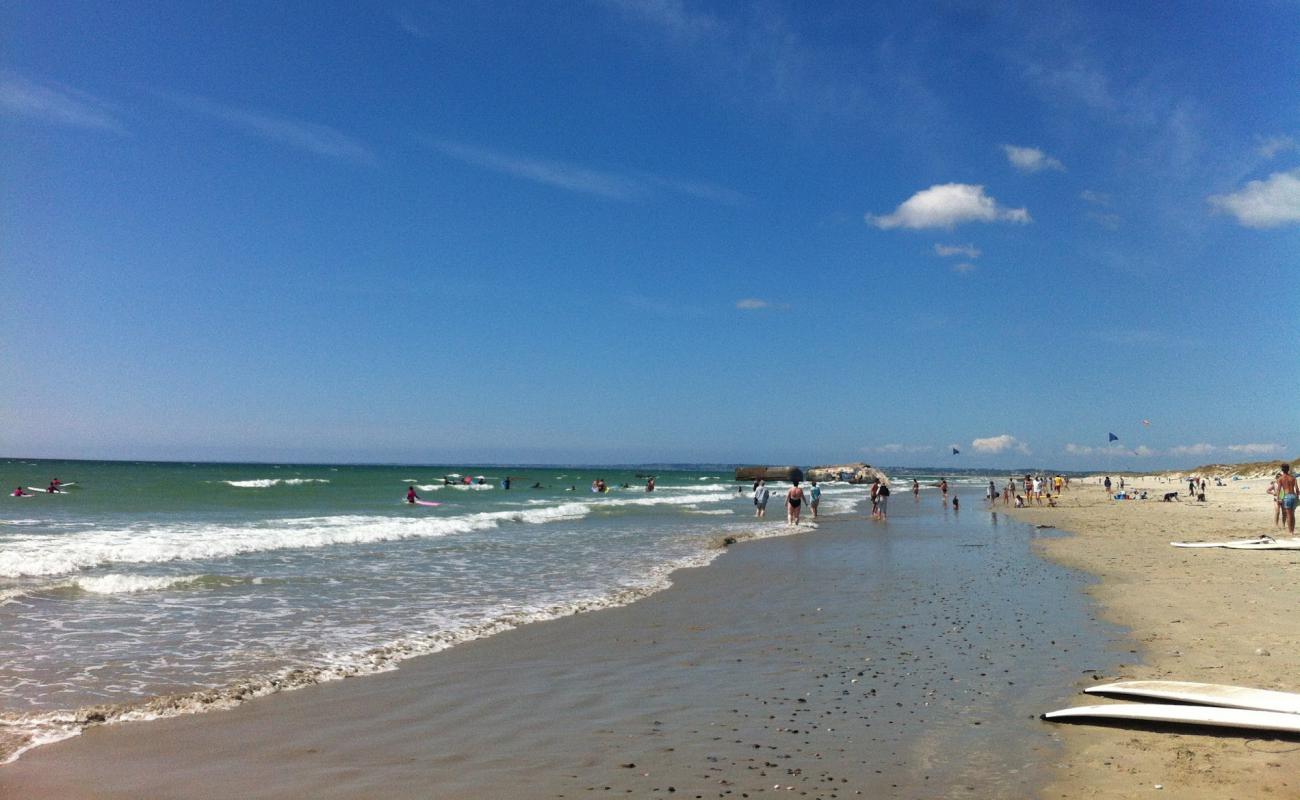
{"x":748,"y":674}
{"x":1208,"y":615}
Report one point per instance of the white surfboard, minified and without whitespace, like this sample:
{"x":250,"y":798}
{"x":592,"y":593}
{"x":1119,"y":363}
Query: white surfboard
{"x":1256,"y":540}
{"x":1185,"y":715}
{"x":1275,"y":544}
{"x":1206,"y":694}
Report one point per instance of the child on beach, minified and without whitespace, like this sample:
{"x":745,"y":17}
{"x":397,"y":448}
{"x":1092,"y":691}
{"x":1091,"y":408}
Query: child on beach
{"x":815,"y":498}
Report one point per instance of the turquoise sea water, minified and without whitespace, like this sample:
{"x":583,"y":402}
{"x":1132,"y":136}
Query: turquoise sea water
{"x":157,"y":588}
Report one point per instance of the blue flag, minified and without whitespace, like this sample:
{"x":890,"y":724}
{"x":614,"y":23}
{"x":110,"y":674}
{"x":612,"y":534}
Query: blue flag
{"x":1113,"y":438}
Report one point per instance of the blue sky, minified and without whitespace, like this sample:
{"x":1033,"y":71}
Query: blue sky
{"x":645,"y":231}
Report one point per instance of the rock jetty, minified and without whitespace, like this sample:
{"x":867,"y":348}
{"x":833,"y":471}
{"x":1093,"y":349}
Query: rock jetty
{"x":856,"y":472}
{"x":788,"y":474}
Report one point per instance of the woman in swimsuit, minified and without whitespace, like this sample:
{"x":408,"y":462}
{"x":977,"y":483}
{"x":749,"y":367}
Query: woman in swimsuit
{"x":793,"y":499}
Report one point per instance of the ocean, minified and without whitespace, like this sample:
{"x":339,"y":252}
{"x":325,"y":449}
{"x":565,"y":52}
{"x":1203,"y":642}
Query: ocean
{"x":154,"y":589}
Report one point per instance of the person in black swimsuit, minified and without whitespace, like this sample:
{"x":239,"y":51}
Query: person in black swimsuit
{"x":793,"y":501}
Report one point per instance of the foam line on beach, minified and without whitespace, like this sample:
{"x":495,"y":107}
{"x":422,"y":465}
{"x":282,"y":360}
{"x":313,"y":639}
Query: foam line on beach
{"x":34,"y":556}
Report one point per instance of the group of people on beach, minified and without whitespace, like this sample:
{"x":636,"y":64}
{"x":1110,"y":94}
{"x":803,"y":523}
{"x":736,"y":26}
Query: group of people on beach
{"x":794,"y":500}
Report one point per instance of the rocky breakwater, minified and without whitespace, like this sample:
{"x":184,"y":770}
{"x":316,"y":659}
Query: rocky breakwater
{"x":856,"y":472}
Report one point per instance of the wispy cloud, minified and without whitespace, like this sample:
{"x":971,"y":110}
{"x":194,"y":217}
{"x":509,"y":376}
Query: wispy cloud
{"x":55,"y":104}
{"x":758,"y":304}
{"x":967,"y":250}
{"x":899,"y":448}
{"x":999,"y":444}
{"x":309,"y":137}
{"x":1198,"y":449}
{"x":963,"y":268}
{"x":1269,"y":203}
{"x":1141,"y":451}
{"x":1096,"y":198}
{"x":1255,"y":449}
{"x":407,"y":22}
{"x":946,"y":206}
{"x":1031,"y":159}
{"x":571,"y":177}
{"x":1271,"y":146}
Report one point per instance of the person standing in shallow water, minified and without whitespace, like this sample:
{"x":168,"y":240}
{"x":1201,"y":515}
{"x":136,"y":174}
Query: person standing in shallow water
{"x":815,"y":498}
{"x":761,"y":494}
{"x":793,"y":504}
{"x":943,"y":487}
{"x":916,"y":489}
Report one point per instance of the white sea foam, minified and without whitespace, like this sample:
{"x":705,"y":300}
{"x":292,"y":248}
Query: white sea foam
{"x":266,"y":483}
{"x":23,"y":732}
{"x":130,"y":584}
{"x":61,"y":555}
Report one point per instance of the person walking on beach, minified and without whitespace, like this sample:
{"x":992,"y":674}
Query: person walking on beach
{"x":1107,"y":484}
{"x":992,"y":494}
{"x":1286,"y":489}
{"x":793,"y":504}
{"x":943,"y":487}
{"x":875,"y":498}
{"x":760,"y":499}
{"x":916,"y":489}
{"x":815,"y":498}
{"x":882,"y":501}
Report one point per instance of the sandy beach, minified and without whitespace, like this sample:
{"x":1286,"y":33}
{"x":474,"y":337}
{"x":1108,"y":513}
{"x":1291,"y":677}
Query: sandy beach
{"x":899,"y":659}
{"x":1206,"y":615}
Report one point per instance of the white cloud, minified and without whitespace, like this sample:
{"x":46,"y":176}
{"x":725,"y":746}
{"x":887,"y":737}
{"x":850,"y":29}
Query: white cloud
{"x":310,"y":137}
{"x":1264,"y":204}
{"x":968,"y":250}
{"x":576,"y":178}
{"x":1255,"y":449}
{"x":406,"y":21}
{"x":899,"y":448}
{"x":59,"y":105}
{"x":1273,"y":145}
{"x":1080,"y":449}
{"x":947,"y":205}
{"x":1200,"y":449}
{"x":1031,"y":159}
{"x":999,"y":444}
{"x":1141,"y":451}
{"x":752,"y":304}
{"x":964,"y":268}
{"x":1096,"y":198}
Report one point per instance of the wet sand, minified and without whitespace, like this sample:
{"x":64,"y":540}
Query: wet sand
{"x":899,"y":659}
{"x":1207,"y":615}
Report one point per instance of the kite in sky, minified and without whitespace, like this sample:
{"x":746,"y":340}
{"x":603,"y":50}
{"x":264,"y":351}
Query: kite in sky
{"x":1113,"y":438}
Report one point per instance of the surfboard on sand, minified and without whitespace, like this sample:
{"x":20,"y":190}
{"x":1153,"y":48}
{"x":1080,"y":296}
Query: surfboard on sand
{"x":1184,"y":715}
{"x":1256,"y":540}
{"x":1273,"y":544}
{"x":1206,"y":694}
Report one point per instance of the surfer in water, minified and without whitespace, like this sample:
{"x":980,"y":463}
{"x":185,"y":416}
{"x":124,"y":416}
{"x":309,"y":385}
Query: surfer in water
{"x":411,"y":496}
{"x":19,"y":492}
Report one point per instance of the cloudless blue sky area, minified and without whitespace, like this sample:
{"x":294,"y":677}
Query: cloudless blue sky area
{"x":672,"y":230}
